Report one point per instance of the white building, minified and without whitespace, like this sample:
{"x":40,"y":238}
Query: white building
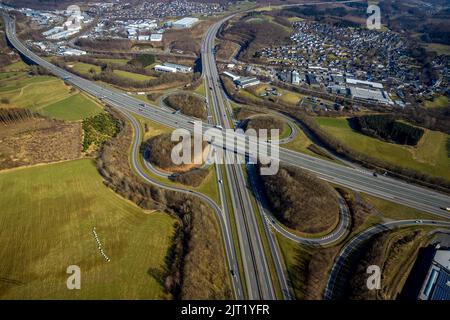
{"x":371,"y":95}
{"x":73,"y":52}
{"x":244,"y":82}
{"x":231,"y":75}
{"x":161,"y":68}
{"x":356,"y":82}
{"x":437,"y":281}
{"x":52,"y":31}
{"x":186,"y":22}
{"x":156,"y":37}
{"x":295,"y":77}
{"x":144,"y":25}
{"x":143,"y":38}
{"x":178,"y":67}
{"x":62,"y":35}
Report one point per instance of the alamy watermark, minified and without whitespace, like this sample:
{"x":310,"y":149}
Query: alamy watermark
{"x":74,"y":280}
{"x":374,"y":20}
{"x":249,"y":147}
{"x":374,"y":280}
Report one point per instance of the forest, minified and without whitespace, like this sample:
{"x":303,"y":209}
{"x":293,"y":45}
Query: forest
{"x":385,"y":127}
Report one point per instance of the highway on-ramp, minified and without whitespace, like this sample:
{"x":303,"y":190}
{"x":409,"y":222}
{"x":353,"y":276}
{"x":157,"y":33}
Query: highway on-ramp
{"x":224,"y":224}
{"x":383,"y":187}
{"x":339,"y":272}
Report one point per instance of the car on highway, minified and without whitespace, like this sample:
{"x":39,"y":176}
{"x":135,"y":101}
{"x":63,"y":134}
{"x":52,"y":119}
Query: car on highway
{"x":232,"y":272}
{"x":375,"y":174}
{"x":419,"y":221}
{"x":445,"y":208}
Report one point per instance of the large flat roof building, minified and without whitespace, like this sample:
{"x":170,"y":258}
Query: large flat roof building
{"x":186,"y":22}
{"x":178,"y":67}
{"x":244,"y":82}
{"x":233,"y":76}
{"x":156,"y":37}
{"x":437,"y":281}
{"x":295,"y":77}
{"x":362,"y":83}
{"x":161,"y":68}
{"x":370,"y":94}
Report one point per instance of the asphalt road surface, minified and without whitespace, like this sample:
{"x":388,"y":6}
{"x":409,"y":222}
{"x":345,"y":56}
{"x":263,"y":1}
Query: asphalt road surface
{"x":340,"y":269}
{"x":359,"y":180}
{"x":383,"y":187}
{"x":256,"y":269}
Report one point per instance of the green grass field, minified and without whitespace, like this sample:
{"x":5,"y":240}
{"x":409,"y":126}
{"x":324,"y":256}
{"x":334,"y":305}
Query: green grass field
{"x":35,"y":93}
{"x":300,"y":144}
{"x":45,"y":94}
{"x":430,"y":156}
{"x":47,"y":217}
{"x":287,"y":96}
{"x":438,"y":102}
{"x":396,"y":211}
{"x":201,"y":89}
{"x":208,"y":187}
{"x":16,"y":66}
{"x":116,"y":61}
{"x":85,"y":67}
{"x":11,"y":75}
{"x":132,"y":76}
{"x":75,"y":107}
{"x":438,"y":48}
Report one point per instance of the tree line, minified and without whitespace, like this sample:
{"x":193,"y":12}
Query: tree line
{"x":12,"y":115}
{"x":385,"y":127}
{"x":194,"y":265}
{"x":107,"y":75}
{"x":98,"y":129}
{"x":301,"y":201}
{"x":188,"y":104}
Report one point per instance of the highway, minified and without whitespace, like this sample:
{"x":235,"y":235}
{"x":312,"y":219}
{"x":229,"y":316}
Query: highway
{"x":258,"y":283}
{"x":256,"y":269}
{"x":224,"y":223}
{"x":383,"y":187}
{"x":338,"y":275}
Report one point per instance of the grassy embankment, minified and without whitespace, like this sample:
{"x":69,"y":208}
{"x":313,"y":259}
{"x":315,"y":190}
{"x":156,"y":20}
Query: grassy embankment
{"x":208,"y":187}
{"x":430,"y":156}
{"x":286,"y":96}
{"x":438,"y":48}
{"x":438,"y":102}
{"x":44,"y":94}
{"x":85,"y":68}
